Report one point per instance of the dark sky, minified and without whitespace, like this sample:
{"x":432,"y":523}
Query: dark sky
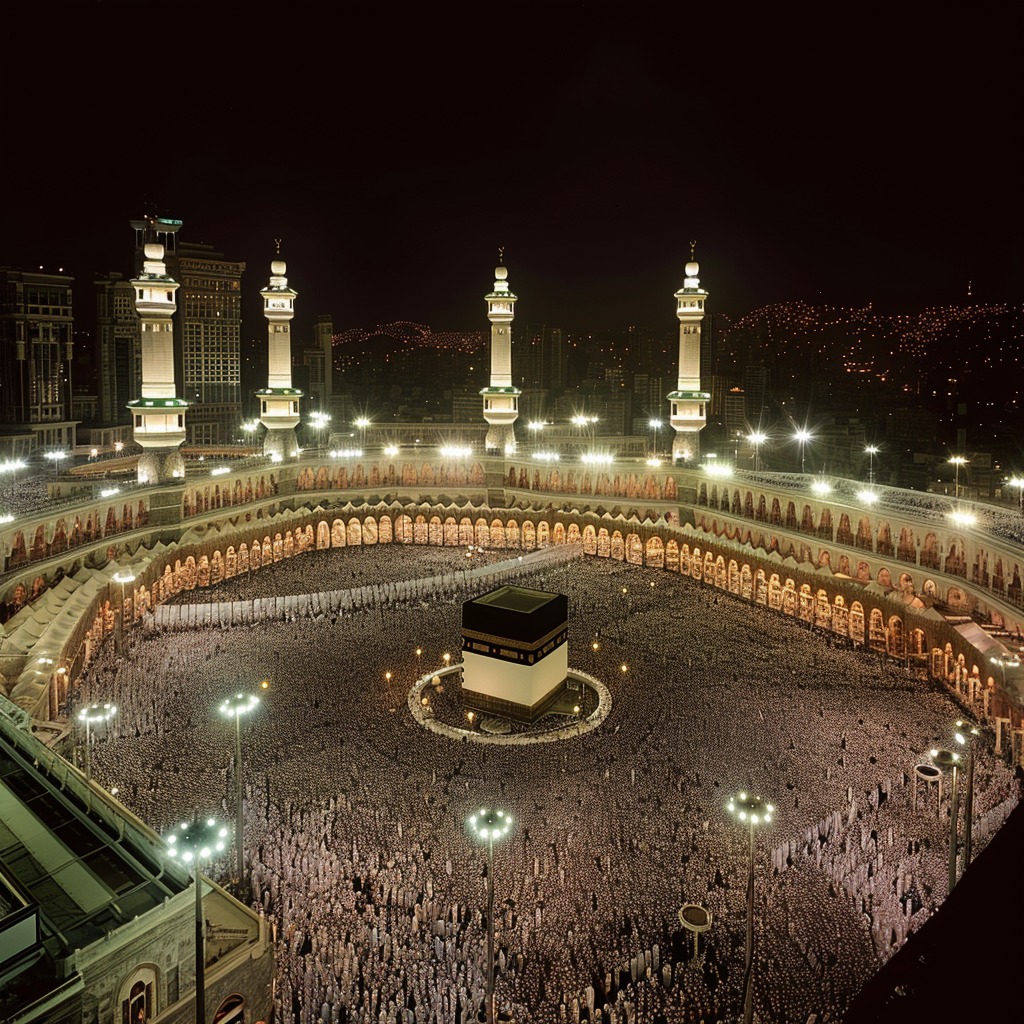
{"x":839,"y":153}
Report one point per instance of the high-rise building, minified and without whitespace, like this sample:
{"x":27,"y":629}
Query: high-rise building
{"x":688,"y":402}
{"x":279,"y":401}
{"x":118,"y":347}
{"x":208,"y":328}
{"x":318,"y":357}
{"x":501,"y":396}
{"x":36,"y":349}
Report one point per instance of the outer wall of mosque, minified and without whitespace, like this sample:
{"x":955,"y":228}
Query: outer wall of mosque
{"x":902,"y":584}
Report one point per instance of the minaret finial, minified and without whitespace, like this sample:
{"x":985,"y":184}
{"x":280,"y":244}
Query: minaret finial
{"x":693,"y":245}
{"x":501,"y":255}
{"x":277,"y":246}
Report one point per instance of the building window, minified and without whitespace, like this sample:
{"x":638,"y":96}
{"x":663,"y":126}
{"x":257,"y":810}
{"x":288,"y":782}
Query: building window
{"x":138,"y":996}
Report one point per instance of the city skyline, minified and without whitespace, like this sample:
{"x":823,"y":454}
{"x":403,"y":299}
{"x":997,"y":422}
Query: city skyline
{"x":807,"y":165}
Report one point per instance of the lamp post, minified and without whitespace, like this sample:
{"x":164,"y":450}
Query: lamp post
{"x":490,"y":825}
{"x":965,"y":733}
{"x":802,"y":437}
{"x":535,"y":427}
{"x":1018,"y":482}
{"x":362,"y":423}
{"x":56,"y":458}
{"x":957,"y":461}
{"x":757,"y":439}
{"x":127,"y":576}
{"x":751,"y":811}
{"x":234,"y":707}
{"x":949,"y":761}
{"x":871,"y":451}
{"x":195,"y":842}
{"x":655,"y":425}
{"x":94,"y":713}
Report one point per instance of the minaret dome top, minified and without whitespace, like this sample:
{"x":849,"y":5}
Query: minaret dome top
{"x":154,"y":251}
{"x":692,"y":268}
{"x":278,"y":267}
{"x":500,"y":273}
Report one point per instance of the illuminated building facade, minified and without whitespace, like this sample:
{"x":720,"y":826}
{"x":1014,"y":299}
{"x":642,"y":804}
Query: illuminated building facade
{"x":36,"y":325}
{"x":119,"y":346}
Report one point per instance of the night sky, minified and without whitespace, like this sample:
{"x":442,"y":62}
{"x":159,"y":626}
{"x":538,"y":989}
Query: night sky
{"x":831,"y":153}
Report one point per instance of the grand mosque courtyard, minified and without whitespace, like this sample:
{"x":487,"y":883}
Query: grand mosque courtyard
{"x":357,"y":841}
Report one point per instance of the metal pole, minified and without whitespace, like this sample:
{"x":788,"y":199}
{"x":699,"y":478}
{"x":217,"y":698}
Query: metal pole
{"x":88,"y":749}
{"x":490,"y":930}
{"x":953,"y":812}
{"x":200,"y":957}
{"x":238,"y":800}
{"x":969,"y":804}
{"x":748,"y":987}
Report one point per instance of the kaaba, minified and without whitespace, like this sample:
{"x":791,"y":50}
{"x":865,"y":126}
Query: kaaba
{"x":515,"y":654}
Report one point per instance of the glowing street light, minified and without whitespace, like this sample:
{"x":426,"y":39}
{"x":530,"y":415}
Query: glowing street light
{"x":821,"y":487}
{"x":868,"y":497}
{"x":949,"y":761}
{"x":94,"y":714}
{"x":802,"y":437}
{"x":1018,"y":482}
{"x":757,"y":439}
{"x":655,"y":425}
{"x":751,"y":811}
{"x":391,"y":451}
{"x":958,"y":461}
{"x":234,"y":707}
{"x":965,"y":732}
{"x":195,"y":842}
{"x":871,"y":451}
{"x":122,"y":577}
{"x":362,"y":423}
{"x":490,"y":825}
{"x":249,"y":428}
{"x":56,"y":458}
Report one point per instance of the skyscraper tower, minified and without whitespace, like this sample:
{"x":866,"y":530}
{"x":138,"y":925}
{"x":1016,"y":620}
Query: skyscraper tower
{"x":279,"y":401}
{"x":688,"y":402}
{"x":501,"y":396}
{"x":158,"y":415}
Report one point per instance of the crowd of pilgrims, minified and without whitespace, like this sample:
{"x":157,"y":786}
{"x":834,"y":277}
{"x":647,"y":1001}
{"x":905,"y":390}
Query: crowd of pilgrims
{"x":356,"y":841}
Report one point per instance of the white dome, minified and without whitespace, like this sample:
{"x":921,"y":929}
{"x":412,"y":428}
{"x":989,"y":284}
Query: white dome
{"x":277,"y":268}
{"x":154,"y":251}
{"x":500,"y":273}
{"x":692,"y":268}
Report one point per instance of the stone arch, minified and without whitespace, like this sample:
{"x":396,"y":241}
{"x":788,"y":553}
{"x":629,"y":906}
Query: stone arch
{"x":807,"y":520}
{"x":805,"y":603}
{"x":863,"y":571}
{"x":876,"y":630}
{"x":323,"y":535}
{"x":529,"y":535}
{"x":654,"y":553}
{"x":385,"y":530}
{"x":760,"y":587}
{"x":230,"y":562}
{"x":483,"y":534}
{"x":776,"y":519}
{"x":556,"y":535}
{"x":884,"y":543}
{"x":775,"y":598}
{"x":203,"y":578}
{"x":840,"y":616}
{"x":354,"y":533}
{"x":634,"y":549}
{"x":497,"y":533}
{"x":857,"y":623}
{"x":589,"y":540}
{"x":217,"y":568}
{"x":404,"y":533}
{"x":791,"y":521}
{"x":421,"y":530}
{"x":451,"y":532}
{"x":822,"y":610}
{"x":337,"y":534}
{"x":435,"y":532}
{"x":672,"y":556}
{"x":897,"y":637}
{"x":512,"y":534}
{"x":618,"y":546}
{"x":733,"y":576}
{"x":844,"y":534}
{"x":604,"y":544}
{"x":465,"y":531}
{"x":883,"y":578}
{"x":929,"y":556}
{"x":825,"y":524}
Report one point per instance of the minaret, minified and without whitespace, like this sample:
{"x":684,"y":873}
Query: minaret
{"x":279,"y":401}
{"x":159,"y":415}
{"x":501,"y":398}
{"x":688,"y":401}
